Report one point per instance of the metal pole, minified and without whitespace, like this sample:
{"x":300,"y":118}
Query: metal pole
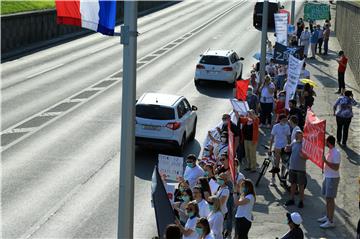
{"x":292,"y":12}
{"x":127,"y":151}
{"x":264,"y":28}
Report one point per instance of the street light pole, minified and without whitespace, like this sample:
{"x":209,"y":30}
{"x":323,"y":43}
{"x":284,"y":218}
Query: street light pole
{"x":127,"y":151}
{"x":292,"y":12}
{"x":264,"y":29}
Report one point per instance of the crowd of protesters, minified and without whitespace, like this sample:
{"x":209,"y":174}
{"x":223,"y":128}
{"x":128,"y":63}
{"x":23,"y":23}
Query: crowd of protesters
{"x":206,"y":212}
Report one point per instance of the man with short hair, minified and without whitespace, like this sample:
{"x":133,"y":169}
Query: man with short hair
{"x":320,"y":38}
{"x":313,"y":41}
{"x":252,"y":99}
{"x":331,"y":182}
{"x":342,"y":61}
{"x":293,"y":122}
{"x":296,"y":111}
{"x":326,"y":36}
{"x":192,"y":170}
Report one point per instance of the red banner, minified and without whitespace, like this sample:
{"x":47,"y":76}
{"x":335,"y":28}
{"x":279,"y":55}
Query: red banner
{"x":231,"y":152}
{"x":314,"y":138}
{"x":241,"y":89}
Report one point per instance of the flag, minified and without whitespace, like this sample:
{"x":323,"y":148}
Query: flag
{"x":231,"y":152}
{"x":241,"y":89}
{"x":164,"y":212}
{"x":313,"y":144}
{"x":96,"y":15}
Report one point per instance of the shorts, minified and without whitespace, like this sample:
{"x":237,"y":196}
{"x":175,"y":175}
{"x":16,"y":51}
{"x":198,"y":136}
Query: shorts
{"x":330,"y":186}
{"x":297,"y":177}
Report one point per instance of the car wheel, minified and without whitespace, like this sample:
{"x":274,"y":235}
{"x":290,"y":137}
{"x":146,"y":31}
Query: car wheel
{"x":193,"y":133}
{"x":181,"y":147}
{"x":197,"y":82}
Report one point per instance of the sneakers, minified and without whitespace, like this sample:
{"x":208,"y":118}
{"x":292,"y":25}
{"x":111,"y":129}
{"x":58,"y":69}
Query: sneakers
{"x":272,"y":182}
{"x":290,"y":202}
{"x":301,"y":204}
{"x":322,"y":219}
{"x":327,"y":224}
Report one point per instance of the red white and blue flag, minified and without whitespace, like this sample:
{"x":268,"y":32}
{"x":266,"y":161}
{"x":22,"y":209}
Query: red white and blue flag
{"x":96,"y":15}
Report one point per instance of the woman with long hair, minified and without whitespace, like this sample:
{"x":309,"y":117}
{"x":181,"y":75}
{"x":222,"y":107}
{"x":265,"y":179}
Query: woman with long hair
{"x":203,"y":229}
{"x":180,"y":207}
{"x":215,"y":218}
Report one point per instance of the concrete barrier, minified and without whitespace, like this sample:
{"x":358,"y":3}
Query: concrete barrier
{"x":25,"y":32}
{"x":347,"y":28}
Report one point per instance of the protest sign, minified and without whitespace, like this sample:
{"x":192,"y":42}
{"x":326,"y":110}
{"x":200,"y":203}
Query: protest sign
{"x":314,"y":138}
{"x":281,"y":22}
{"x":282,"y":53}
{"x":213,"y":186}
{"x":171,"y":166}
{"x":231,"y":152}
{"x":164,"y":212}
{"x":241,"y":107}
{"x":294,"y":70}
{"x":241,"y":89}
{"x":170,"y":190}
{"x":316,"y":11}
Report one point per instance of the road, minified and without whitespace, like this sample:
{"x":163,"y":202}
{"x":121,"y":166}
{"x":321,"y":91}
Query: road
{"x":61,"y":115}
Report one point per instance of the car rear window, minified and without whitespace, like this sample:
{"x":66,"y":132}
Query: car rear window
{"x":156,"y":112}
{"x":215,"y":60}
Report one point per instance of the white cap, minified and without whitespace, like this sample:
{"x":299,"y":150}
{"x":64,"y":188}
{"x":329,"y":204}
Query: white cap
{"x":295,"y":217}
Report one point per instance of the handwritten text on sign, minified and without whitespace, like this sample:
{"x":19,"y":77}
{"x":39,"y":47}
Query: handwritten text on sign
{"x":171,"y":166}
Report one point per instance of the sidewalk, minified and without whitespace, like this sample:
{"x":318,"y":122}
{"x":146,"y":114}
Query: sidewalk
{"x":269,"y":210}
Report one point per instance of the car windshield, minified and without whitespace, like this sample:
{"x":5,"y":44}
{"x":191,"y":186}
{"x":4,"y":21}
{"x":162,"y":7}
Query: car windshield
{"x":156,"y":112}
{"x":215,"y":60}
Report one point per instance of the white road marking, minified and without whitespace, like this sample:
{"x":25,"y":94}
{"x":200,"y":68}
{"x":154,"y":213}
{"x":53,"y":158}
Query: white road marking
{"x":44,"y":71}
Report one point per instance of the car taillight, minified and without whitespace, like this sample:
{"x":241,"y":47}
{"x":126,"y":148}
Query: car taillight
{"x":199,"y":66}
{"x":227,"y":69}
{"x":173,"y":126}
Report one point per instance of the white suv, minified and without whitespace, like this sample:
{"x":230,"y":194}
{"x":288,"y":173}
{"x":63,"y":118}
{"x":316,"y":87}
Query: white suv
{"x":219,"y":65}
{"x":164,"y":120}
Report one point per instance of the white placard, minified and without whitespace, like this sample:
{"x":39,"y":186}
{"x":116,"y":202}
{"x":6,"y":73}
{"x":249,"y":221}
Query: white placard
{"x":213,"y":186}
{"x":170,"y":190}
{"x":281,"y":27}
{"x":294,"y":70}
{"x":171,"y":166}
{"x":241,"y":107}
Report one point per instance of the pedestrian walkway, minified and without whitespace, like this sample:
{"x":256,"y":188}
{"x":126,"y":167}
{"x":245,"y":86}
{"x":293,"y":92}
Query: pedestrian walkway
{"x":269,"y":211}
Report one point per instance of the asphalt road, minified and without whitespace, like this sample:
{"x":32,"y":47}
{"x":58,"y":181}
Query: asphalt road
{"x":61,"y":114}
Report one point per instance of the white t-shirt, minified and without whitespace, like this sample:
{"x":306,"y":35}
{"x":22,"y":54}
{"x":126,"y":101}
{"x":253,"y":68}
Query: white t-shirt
{"x":221,"y":193}
{"x":216,"y":221}
{"x":192,"y":175}
{"x":266,"y":97}
{"x":293,"y":133}
{"x":191,"y":224}
{"x":203,"y":208}
{"x":246,"y":210}
{"x":209,"y":236}
{"x":333,"y":156}
{"x":280,"y":133}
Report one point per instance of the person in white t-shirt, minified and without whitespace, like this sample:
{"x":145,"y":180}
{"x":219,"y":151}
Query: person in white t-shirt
{"x":223,"y":192}
{"x":266,"y":101}
{"x":203,"y":229}
{"x":293,"y":122}
{"x":245,"y":204}
{"x":200,"y":200}
{"x":280,"y":137}
{"x":188,"y":230}
{"x":192,"y":170}
{"x":215,"y":218}
{"x":331,"y":181}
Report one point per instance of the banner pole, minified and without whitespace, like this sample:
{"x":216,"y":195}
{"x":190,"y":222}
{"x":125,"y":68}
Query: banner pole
{"x":127,"y":150}
{"x":264,"y":28}
{"x":292,"y":12}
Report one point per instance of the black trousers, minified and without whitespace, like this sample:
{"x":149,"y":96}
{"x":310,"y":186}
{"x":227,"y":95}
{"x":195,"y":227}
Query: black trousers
{"x":319,"y":45}
{"x":341,"y":80}
{"x":265,"y":113}
{"x":342,"y":129}
{"x":242,"y":228}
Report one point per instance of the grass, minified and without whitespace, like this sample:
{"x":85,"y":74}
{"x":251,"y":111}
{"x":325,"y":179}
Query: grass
{"x":11,"y":6}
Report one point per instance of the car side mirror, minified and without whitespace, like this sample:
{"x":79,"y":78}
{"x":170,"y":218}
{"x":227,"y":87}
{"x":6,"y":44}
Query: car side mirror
{"x":241,"y":58}
{"x":194,"y":108}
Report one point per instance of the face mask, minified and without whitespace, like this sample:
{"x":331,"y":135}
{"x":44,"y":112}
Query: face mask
{"x":244,"y":190}
{"x":190,"y":165}
{"x":206,"y":174}
{"x":199,"y":231}
{"x":220,"y":182}
{"x":185,"y":198}
{"x":211,"y":207}
{"x":190,"y":214}
{"x":282,"y":98}
{"x":181,"y":189}
{"x":223,"y":140}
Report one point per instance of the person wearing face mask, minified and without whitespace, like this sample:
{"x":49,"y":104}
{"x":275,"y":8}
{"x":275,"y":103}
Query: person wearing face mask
{"x":221,"y":146}
{"x":266,"y":101}
{"x":192,"y":170}
{"x":305,"y":40}
{"x":297,"y":169}
{"x":223,"y":192}
{"x":203,"y":229}
{"x":180,"y":207}
{"x":203,"y":182}
{"x":183,"y":185}
{"x":252,"y":100}
{"x":189,"y":230}
{"x":280,"y":106}
{"x":215,"y":218}
{"x":200,"y":200}
{"x":245,"y":204}
{"x":294,"y":221}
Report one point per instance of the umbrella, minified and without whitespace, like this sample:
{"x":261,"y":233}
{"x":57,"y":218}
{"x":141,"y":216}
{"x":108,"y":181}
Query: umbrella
{"x":312,"y":83}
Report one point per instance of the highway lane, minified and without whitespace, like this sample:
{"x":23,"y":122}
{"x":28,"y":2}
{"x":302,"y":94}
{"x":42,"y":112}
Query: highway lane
{"x":62,"y":181}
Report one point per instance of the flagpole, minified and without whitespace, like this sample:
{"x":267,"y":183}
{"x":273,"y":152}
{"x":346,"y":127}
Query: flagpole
{"x":264,"y":28}
{"x":127,"y":151}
